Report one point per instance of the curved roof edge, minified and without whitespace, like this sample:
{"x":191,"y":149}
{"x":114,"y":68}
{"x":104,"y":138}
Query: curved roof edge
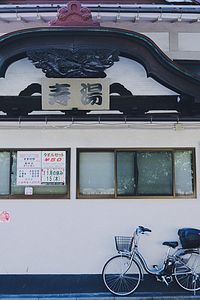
{"x":138,"y":47}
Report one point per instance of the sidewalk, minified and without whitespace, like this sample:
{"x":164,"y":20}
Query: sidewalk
{"x":64,"y":287}
{"x":99,"y":296}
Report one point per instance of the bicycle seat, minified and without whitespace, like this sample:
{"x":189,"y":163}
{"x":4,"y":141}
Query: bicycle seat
{"x":171,"y":244}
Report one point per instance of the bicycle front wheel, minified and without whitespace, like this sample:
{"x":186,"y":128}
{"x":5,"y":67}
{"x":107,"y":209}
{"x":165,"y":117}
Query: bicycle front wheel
{"x":187,"y":271}
{"x":121,"y":275}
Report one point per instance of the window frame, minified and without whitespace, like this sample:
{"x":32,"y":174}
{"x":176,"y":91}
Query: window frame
{"x":115,"y":195}
{"x":39,"y":196}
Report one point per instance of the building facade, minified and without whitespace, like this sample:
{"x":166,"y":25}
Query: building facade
{"x":99,"y":133}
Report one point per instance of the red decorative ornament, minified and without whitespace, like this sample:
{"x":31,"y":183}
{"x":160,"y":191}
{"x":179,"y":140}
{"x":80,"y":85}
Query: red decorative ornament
{"x":4,"y":216}
{"x":74,"y":15}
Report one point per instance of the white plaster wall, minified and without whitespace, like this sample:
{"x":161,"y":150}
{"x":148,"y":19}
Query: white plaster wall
{"x":18,"y":76}
{"x":76,"y":236}
{"x":189,"y":41}
{"x":160,"y":38}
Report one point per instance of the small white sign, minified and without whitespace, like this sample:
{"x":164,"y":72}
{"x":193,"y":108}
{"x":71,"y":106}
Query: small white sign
{"x":28,"y":190}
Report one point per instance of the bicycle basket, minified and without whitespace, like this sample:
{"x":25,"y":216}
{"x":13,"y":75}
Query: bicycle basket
{"x":123,"y":243}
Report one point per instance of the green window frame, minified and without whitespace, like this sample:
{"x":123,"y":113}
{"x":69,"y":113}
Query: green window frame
{"x":136,"y":173}
{"x":54,"y":168}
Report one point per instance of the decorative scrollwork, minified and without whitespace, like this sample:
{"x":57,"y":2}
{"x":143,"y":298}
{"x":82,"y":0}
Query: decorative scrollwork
{"x":64,"y":63}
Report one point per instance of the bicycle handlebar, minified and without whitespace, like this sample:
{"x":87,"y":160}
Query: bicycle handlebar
{"x":142,"y":230}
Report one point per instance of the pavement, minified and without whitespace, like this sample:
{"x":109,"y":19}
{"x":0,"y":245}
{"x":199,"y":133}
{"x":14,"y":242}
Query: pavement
{"x":64,"y":287}
{"x":99,"y":296}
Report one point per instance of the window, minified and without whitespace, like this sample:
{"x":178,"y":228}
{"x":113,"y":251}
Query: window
{"x":97,"y":173}
{"x":136,"y":173}
{"x":34,"y":173}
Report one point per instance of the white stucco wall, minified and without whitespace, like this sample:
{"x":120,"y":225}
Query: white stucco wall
{"x":76,"y":236}
{"x":186,"y":41}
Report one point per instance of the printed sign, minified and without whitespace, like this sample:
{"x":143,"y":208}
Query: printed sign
{"x":53,"y":176}
{"x":53,"y":167}
{"x":54,"y":159}
{"x":41,"y":167}
{"x":28,"y":167}
{"x":28,"y":159}
{"x":28,"y":176}
{"x":81,"y":93}
{"x":28,"y":190}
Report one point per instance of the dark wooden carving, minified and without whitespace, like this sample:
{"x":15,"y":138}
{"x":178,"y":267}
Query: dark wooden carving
{"x":118,"y":88}
{"x":64,"y":63}
{"x":31,"y":90}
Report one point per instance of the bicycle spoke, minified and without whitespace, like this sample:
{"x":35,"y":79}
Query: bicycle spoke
{"x":121,"y":276}
{"x":187,"y":272}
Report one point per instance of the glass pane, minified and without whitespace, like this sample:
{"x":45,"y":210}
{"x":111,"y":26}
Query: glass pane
{"x":125,"y":173}
{"x":47,"y":189}
{"x":96,"y":173}
{"x":154,"y":173}
{"x":4,"y":173}
{"x":183,"y":172}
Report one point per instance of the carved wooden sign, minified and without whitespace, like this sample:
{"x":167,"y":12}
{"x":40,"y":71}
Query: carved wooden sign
{"x":84,"y":94}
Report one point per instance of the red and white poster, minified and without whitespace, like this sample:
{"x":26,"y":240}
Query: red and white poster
{"x":53,"y":167}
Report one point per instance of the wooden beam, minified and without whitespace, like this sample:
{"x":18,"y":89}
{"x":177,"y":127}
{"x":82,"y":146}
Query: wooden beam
{"x":128,"y":105}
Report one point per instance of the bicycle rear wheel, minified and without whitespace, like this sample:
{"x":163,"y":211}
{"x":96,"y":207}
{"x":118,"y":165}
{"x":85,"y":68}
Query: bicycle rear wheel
{"x":121,"y":275}
{"x":187,"y":271}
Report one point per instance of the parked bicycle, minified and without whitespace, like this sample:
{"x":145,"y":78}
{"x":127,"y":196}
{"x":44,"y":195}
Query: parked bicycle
{"x":122,"y":273}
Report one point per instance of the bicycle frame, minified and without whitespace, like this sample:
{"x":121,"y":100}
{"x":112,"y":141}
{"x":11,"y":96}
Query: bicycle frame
{"x":137,"y":255}
{"x":141,"y":260}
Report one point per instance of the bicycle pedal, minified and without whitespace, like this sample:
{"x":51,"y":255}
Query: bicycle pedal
{"x":155,"y":267}
{"x":165,"y":280}
{"x":158,"y":278}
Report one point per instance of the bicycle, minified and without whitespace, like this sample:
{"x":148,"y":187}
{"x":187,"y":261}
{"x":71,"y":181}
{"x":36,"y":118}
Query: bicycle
{"x":122,"y":273}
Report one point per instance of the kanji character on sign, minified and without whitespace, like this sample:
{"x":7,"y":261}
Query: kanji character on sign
{"x":91,"y":93}
{"x":60,"y":93}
